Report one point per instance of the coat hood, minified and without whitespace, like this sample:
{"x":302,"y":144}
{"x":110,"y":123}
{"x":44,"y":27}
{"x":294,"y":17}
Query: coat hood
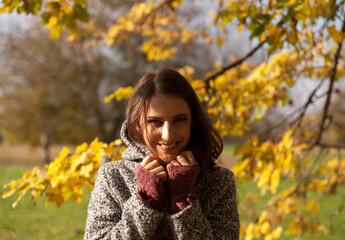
{"x":135,"y":151}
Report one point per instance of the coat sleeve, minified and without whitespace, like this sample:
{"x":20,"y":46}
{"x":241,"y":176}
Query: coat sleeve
{"x":107,"y":219}
{"x":221,"y":221}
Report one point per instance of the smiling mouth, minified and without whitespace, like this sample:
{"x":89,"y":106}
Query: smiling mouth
{"x":170,"y":146}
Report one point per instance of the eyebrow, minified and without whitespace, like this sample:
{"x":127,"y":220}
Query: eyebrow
{"x":181,"y":115}
{"x":176,"y":116}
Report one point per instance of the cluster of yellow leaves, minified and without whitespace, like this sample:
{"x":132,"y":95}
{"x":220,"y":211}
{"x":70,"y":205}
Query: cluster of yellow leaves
{"x":262,"y":229}
{"x":120,"y":94}
{"x":66,"y":176}
{"x":243,"y":95}
{"x":57,"y":15}
{"x":267,"y":226}
{"x":157,"y":23}
{"x":265,"y":163}
{"x":289,"y":23}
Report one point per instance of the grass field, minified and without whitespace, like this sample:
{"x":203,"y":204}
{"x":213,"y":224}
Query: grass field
{"x":28,"y":221}
{"x":331,"y":215}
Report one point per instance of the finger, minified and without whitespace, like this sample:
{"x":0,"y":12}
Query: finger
{"x":189,"y":156}
{"x":152,"y":165}
{"x":174,"y":163}
{"x":147,"y":160}
{"x":182,"y":160}
{"x":159,"y":170}
{"x":164,"y":175}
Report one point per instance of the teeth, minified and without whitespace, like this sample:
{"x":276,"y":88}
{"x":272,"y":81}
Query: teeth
{"x":168,"y":146}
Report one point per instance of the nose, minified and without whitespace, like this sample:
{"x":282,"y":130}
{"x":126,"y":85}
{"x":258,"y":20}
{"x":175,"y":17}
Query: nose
{"x":167,"y":132}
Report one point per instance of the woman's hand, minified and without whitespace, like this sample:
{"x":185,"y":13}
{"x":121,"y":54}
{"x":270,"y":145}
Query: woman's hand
{"x":151,"y":164}
{"x":182,"y":174}
{"x":151,"y":176}
{"x":183,"y":159}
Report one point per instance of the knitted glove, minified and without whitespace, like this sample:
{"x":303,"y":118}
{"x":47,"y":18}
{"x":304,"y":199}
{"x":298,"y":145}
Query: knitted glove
{"x":181,"y":180}
{"x":151,"y":188}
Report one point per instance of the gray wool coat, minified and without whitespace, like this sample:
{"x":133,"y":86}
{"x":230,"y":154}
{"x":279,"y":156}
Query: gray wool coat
{"x":115,"y":212}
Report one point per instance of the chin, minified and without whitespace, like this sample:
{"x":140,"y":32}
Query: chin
{"x":165,"y":159}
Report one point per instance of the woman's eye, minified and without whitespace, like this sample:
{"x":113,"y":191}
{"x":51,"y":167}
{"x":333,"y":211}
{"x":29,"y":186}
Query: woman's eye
{"x":154,"y":122}
{"x":182,"y":119}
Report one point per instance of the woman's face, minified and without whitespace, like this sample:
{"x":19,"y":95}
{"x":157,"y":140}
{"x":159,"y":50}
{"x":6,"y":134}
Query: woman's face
{"x":168,"y":123}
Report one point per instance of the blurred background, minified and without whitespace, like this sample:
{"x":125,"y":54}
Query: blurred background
{"x":52,"y":95}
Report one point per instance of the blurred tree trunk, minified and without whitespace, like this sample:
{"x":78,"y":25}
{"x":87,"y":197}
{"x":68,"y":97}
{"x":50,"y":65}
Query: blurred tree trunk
{"x":45,"y":143}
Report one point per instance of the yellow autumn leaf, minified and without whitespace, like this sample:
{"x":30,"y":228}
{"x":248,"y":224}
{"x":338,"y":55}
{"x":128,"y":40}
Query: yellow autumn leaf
{"x":197,"y":84}
{"x":277,"y":232}
{"x":313,"y":206}
{"x":249,"y":232}
{"x":221,"y":82}
{"x":335,"y":34}
{"x":186,"y":36}
{"x":275,"y":178}
{"x":9,"y":193}
{"x":85,"y":170}
{"x":53,"y":20}
{"x":4,"y":9}
{"x":268,"y":237}
{"x":124,"y":93}
{"x":176,"y":3}
{"x":81,"y":148}
{"x":263,"y":217}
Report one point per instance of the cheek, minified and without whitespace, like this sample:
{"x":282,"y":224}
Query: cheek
{"x":185,"y":131}
{"x":152,"y":134}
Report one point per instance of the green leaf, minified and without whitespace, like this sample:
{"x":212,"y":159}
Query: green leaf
{"x":71,"y":25}
{"x":20,"y":9}
{"x":256,"y":28}
{"x":45,"y":17}
{"x":55,"y":5}
{"x":226,"y":16}
{"x":271,"y":49}
{"x":81,"y":13}
{"x":80,"y":2}
{"x":35,"y":7}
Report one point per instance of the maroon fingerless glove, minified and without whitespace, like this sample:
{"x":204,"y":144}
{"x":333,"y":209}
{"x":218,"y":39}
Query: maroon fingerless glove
{"x":181,"y":180}
{"x":151,"y":188}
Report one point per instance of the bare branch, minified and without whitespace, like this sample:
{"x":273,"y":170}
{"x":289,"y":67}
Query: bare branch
{"x":327,"y":145}
{"x":309,"y":101}
{"x":330,"y":89}
{"x":302,"y":110}
{"x":232,"y":65}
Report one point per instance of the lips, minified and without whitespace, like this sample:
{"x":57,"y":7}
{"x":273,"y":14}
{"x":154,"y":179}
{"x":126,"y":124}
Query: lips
{"x":168,"y":147}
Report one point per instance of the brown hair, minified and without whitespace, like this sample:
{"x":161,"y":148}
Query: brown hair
{"x":205,"y":142}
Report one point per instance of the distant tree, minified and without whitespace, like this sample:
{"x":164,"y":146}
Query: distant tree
{"x":52,"y":91}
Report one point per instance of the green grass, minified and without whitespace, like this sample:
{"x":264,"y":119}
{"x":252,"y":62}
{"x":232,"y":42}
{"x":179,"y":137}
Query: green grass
{"x":331,"y":215}
{"x":28,"y":221}
{"x":229,"y":149}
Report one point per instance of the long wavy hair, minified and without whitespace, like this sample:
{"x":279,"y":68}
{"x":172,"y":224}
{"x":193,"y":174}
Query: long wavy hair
{"x":205,"y":141}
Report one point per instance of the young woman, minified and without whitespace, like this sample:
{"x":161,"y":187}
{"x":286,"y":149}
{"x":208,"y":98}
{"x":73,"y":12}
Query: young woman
{"x":167,"y":186}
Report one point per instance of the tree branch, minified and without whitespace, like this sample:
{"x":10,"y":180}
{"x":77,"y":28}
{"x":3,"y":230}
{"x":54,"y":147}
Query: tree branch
{"x":302,"y":111}
{"x":330,"y":89}
{"x":232,"y":65}
{"x":309,"y":101}
{"x":327,"y":145}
